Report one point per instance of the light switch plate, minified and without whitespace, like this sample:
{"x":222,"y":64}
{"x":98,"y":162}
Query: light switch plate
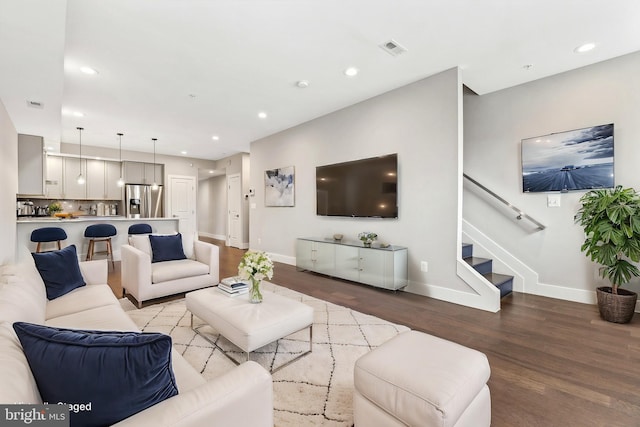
{"x":553,"y":200}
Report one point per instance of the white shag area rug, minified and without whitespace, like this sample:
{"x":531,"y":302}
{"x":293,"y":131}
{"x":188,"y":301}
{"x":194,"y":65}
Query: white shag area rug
{"x":314,"y":390}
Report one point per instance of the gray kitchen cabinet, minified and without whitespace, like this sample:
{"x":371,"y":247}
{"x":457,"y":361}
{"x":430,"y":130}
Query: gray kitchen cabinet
{"x":54,"y":181}
{"x":31,"y":165}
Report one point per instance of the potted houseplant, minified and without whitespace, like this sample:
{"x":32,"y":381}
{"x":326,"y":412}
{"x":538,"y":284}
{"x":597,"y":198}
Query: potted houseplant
{"x":611,"y":222}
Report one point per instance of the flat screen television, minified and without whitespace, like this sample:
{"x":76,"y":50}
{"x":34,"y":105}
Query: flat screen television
{"x":580,"y":159}
{"x":359,"y":188}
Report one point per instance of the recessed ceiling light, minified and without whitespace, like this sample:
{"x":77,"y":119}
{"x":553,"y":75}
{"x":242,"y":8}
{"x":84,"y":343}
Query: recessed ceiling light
{"x":262,"y":115}
{"x":183,"y":152}
{"x":584,"y":48}
{"x":89,"y":70}
{"x":215,"y":137}
{"x":211,"y":171}
{"x":351,"y":71}
{"x":302,"y":84}
{"x":78,"y":114}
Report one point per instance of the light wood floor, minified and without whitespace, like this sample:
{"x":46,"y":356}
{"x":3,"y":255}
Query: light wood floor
{"x":553,"y":362}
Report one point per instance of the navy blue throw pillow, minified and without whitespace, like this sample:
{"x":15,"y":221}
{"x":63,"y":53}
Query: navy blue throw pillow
{"x":106,"y":376}
{"x":59,"y":270}
{"x":166,"y":248}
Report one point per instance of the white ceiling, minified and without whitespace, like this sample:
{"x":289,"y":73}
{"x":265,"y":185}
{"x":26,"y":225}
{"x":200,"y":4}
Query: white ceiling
{"x":185,"y":70}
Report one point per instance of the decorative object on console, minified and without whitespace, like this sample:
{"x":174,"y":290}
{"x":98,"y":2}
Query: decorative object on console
{"x":367,"y":238}
{"x":580,"y":159}
{"x":337,"y":237}
{"x":279,"y":187}
{"x":255,"y":266}
{"x":610,"y":219}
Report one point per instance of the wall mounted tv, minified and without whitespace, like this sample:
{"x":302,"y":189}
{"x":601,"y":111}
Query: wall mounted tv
{"x":359,"y":188}
{"x":580,"y":159}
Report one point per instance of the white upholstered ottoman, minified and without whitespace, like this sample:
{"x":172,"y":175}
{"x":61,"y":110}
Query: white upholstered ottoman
{"x":415,"y":379}
{"x":250,"y":326}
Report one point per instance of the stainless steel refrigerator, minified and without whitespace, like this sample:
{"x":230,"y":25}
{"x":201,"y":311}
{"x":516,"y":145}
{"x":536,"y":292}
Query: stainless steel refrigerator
{"x":143,"y":202}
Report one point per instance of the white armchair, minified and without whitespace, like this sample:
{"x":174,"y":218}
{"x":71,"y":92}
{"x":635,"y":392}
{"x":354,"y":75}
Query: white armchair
{"x":145,"y":280}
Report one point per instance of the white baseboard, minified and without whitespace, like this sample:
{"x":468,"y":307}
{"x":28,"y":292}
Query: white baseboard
{"x":285,"y":259}
{"x":468,"y":299}
{"x":212,"y":236}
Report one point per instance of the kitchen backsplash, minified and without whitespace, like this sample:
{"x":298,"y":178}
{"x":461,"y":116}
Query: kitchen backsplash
{"x":39,"y":207}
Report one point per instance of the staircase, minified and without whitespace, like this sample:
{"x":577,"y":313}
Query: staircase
{"x":484,"y":266}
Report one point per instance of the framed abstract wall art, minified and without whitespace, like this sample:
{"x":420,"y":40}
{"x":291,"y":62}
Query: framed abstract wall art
{"x":279,"y":186}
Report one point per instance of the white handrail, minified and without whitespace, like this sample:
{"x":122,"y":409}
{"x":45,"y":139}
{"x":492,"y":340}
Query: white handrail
{"x":520,"y":213}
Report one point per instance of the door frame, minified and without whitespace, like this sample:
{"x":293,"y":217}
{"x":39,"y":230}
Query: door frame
{"x":241,"y":245}
{"x":194,"y":193}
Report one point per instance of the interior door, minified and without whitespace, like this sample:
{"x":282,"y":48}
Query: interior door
{"x":235,"y":210}
{"x":182,"y":202}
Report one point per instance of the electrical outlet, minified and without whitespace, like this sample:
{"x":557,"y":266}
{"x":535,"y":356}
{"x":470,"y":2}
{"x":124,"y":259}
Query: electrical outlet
{"x":424,"y":266}
{"x":259,"y":240}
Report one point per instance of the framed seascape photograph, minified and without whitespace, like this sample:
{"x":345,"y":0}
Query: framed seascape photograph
{"x":574,"y":160}
{"x":279,"y":187}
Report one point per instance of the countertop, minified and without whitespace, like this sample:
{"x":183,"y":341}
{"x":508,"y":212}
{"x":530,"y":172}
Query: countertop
{"x":86,"y":218}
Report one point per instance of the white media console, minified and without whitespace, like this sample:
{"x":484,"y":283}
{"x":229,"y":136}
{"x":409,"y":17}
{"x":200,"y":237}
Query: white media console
{"x":350,"y":260}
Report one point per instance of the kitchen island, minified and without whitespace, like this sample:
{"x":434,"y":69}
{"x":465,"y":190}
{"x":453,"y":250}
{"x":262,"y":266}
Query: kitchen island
{"x":74,"y":227}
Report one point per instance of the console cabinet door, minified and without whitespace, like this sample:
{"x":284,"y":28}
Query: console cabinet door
{"x":374,"y":266}
{"x":347,"y":263}
{"x":315,"y":256}
{"x":324,"y":258}
{"x":304,"y":251}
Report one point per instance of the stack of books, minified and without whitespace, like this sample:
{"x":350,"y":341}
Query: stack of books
{"x":233,"y":286}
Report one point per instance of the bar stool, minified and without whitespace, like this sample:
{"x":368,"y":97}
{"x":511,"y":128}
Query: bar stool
{"x":100,"y":233}
{"x":48,"y":234}
{"x":140,"y":229}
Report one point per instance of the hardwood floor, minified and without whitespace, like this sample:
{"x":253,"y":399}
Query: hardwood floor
{"x":553,"y":362}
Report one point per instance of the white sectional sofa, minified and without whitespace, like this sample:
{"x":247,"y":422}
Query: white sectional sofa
{"x":146,"y":280}
{"x":242,"y":397}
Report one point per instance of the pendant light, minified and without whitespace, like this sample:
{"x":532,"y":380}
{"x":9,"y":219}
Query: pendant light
{"x":120,"y":180}
{"x":154,"y":186}
{"x":80,"y":179}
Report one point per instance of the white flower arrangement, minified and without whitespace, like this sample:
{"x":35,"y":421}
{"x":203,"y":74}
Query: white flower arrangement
{"x":367,"y":236}
{"x":256,"y":265}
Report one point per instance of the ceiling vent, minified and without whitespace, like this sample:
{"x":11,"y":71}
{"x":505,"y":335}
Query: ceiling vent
{"x":393,"y":48}
{"x":35,"y":104}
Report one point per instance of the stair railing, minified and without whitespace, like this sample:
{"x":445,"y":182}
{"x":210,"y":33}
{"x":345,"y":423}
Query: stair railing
{"x":520,"y":213}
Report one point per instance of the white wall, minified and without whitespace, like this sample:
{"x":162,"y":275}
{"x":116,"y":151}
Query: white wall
{"x":494,"y":125}
{"x":212,"y":207}
{"x":420,"y":122}
{"x":9,"y":187}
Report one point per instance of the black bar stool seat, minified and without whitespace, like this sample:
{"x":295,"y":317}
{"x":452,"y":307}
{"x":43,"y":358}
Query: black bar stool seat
{"x":100,"y":233}
{"x":140,"y":229}
{"x":48,"y":234}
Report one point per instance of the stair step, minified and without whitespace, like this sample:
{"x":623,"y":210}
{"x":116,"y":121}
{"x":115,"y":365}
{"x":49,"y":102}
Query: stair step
{"x":467,"y":250}
{"x":481,"y":265}
{"x":503,"y":282}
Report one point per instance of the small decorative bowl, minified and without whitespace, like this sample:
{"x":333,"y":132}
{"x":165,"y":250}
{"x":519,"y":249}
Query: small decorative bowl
{"x":337,"y":237}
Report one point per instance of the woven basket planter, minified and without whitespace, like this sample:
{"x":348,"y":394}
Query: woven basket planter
{"x":616,"y":308}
